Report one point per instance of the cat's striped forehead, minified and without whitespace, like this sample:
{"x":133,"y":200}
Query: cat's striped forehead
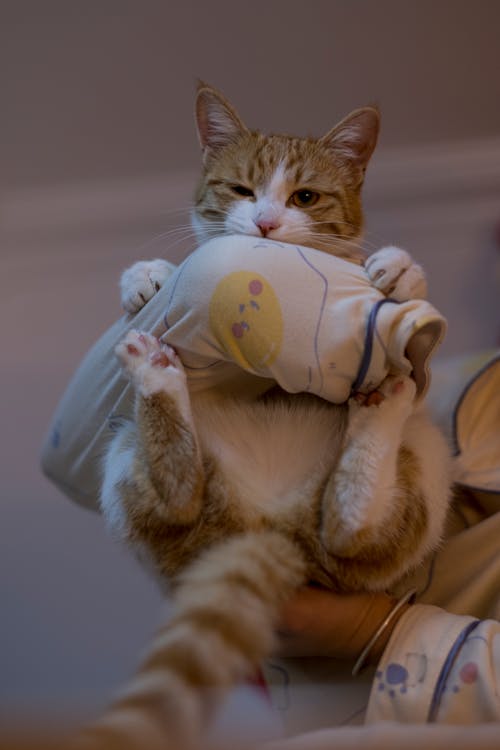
{"x":259,"y":160}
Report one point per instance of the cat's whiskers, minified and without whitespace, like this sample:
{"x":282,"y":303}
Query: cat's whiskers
{"x":341,"y":245}
{"x":307,"y":234}
{"x":300,"y":235}
{"x":178,"y":234}
{"x":179,"y":210}
{"x":336,"y":238}
{"x":359,"y":236}
{"x":377,"y":242}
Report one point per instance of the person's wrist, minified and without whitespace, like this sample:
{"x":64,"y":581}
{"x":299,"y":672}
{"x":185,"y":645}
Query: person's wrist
{"x":375,"y":653}
{"x":377,"y":642}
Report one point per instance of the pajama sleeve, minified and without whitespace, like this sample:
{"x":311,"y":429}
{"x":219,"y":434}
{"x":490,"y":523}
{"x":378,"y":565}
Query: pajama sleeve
{"x":438,"y":667}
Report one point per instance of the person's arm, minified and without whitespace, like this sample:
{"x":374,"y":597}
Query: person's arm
{"x":438,"y":667}
{"x":431,"y":666}
{"x":317,"y":622}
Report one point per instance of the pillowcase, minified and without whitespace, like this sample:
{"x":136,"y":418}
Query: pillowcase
{"x":243,"y":314}
{"x":302,"y":318}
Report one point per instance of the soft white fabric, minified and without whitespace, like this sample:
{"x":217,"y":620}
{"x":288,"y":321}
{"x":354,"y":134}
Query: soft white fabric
{"x":295,"y":315}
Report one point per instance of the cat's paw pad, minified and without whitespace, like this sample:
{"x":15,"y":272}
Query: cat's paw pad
{"x":393,"y":272}
{"x":400,"y":388}
{"x":392,"y":388}
{"x":150,"y":364}
{"x":141,"y":281}
{"x":374,"y":398}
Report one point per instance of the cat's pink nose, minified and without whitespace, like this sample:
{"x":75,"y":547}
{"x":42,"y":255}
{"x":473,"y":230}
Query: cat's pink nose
{"x":267,"y":225}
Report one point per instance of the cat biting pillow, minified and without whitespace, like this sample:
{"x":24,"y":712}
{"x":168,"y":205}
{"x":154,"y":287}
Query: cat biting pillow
{"x":310,"y":321}
{"x":235,"y":502}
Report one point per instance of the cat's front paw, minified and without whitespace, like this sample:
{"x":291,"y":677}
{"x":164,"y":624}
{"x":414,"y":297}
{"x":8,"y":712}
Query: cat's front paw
{"x":141,"y":281}
{"x":150,"y":365}
{"x":392,"y":271}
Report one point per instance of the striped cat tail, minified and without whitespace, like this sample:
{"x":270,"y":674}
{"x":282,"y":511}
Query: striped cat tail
{"x":225,"y":610}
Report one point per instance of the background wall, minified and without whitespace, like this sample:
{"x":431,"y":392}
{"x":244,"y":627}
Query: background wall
{"x":102,"y":89}
{"x":98,"y":159}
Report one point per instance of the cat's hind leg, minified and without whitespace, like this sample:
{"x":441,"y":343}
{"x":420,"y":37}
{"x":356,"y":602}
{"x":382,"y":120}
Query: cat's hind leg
{"x":366,"y":472}
{"x":153,"y":469}
{"x":374,"y":505}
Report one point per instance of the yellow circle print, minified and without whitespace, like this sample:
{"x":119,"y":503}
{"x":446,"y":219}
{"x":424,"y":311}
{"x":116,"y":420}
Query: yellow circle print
{"x":246,"y":319}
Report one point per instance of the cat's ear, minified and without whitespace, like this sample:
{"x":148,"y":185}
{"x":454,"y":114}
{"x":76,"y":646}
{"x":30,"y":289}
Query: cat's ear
{"x":217,"y":121}
{"x":354,"y":139}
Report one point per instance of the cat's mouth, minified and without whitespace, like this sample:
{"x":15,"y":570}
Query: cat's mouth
{"x":349,"y":248}
{"x":262,"y":230}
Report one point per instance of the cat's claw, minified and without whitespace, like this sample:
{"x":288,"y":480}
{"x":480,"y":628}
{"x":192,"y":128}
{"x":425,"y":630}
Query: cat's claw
{"x":392,"y":271}
{"x":142,"y":281}
{"x":393,"y":387}
{"x":151,"y":365}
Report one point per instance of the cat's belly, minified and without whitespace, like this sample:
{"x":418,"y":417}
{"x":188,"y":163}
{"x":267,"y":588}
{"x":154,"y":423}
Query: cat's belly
{"x":274,"y":457}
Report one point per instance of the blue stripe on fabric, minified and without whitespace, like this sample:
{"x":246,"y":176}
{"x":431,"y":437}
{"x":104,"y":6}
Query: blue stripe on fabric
{"x":368,"y":347}
{"x":446,"y":669}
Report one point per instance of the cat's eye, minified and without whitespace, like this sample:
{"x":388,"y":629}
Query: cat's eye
{"x":304,"y":198}
{"x":243,"y":191}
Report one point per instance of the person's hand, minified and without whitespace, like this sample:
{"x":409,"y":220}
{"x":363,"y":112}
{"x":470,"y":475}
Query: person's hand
{"x":316,"y":622}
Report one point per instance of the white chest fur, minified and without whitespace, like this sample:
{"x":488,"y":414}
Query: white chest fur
{"x":273,"y":454}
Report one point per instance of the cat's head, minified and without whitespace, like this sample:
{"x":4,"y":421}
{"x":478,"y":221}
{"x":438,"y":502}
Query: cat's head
{"x":302,"y":190}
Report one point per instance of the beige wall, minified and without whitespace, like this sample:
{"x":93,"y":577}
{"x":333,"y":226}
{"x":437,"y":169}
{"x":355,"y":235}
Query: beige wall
{"x":101,"y":88}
